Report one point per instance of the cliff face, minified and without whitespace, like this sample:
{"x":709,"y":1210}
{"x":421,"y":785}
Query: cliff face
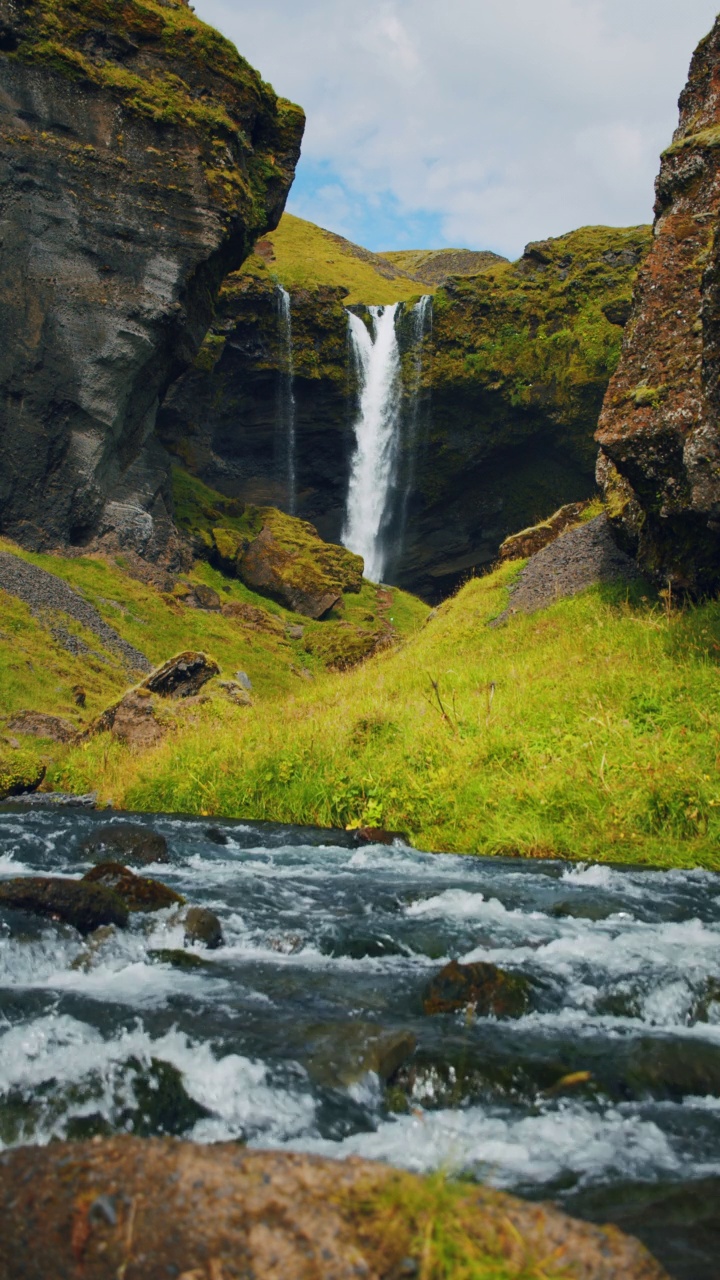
{"x":508,"y":387}
{"x":140,"y":159}
{"x":659,"y":434}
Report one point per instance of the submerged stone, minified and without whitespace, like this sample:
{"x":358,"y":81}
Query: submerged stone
{"x":129,"y":842}
{"x":176,"y":957}
{"x":342,"y":1053}
{"x":137,"y":892}
{"x":82,"y":905}
{"x":490,"y":990}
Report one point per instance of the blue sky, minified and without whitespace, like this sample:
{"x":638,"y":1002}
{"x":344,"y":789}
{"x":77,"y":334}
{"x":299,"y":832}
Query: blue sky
{"x":478,"y":123}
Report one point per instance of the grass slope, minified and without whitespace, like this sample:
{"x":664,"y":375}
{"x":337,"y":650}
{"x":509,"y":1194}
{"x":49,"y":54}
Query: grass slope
{"x":433,"y":266}
{"x":587,"y":731}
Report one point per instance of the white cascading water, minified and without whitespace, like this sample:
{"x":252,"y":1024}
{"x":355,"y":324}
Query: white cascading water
{"x":286,"y":399}
{"x":377,"y":359}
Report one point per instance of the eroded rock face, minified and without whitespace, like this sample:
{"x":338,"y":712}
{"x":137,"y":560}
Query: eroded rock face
{"x":101,"y":1208}
{"x":659,"y":435}
{"x":140,"y":157}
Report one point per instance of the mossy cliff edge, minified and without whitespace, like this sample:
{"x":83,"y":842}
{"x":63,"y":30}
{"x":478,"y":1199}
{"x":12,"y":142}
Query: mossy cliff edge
{"x":519,"y":357}
{"x":141,"y":157}
{"x":659,"y":435}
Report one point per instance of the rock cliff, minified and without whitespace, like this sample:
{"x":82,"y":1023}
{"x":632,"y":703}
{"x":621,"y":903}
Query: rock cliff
{"x":512,"y":377}
{"x":659,"y":436}
{"x":141,"y":157}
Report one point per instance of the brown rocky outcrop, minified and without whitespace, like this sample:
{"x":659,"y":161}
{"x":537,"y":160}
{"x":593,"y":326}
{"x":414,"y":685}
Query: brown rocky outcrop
{"x":658,"y":432}
{"x":140,"y":158}
{"x":137,"y":892}
{"x":84,"y":906}
{"x":128,"y":1207}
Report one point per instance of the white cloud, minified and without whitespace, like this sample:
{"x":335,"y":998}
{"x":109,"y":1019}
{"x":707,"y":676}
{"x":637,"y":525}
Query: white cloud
{"x":497,"y":121}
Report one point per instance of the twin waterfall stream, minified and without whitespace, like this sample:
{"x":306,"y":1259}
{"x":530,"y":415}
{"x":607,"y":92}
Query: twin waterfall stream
{"x":385,"y":426}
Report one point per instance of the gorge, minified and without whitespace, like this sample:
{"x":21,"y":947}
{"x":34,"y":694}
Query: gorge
{"x":359,"y":775}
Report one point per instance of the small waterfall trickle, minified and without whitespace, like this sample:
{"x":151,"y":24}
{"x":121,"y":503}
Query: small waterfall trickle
{"x":285,"y":451}
{"x":372,"y":471}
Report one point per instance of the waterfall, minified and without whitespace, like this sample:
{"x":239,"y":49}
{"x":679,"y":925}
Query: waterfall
{"x":372,"y":470}
{"x":285,"y":461}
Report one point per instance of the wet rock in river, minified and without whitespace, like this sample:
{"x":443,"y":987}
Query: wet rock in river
{"x":342,"y":1053}
{"x":203,"y":926}
{"x":666,"y":1068}
{"x":176,"y":958}
{"x":82,"y":905}
{"x":225,"y":1211}
{"x":487,"y":988}
{"x":216,"y":836}
{"x":378,"y":835}
{"x":139,"y":893}
{"x":130,"y":843}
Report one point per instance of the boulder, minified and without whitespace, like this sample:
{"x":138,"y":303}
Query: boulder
{"x":658,"y":430}
{"x":251,"y":615}
{"x":340,"y":1054}
{"x":204,"y":597}
{"x":133,"y":720}
{"x":203,"y":926}
{"x":176,"y":958}
{"x":378,"y":835}
{"x":236,"y":692}
{"x":84,"y":906}
{"x":38,"y":725}
{"x":526,"y":543}
{"x":127,"y":841}
{"x":288,"y":561}
{"x":206,"y":1212}
{"x":182,"y":676}
{"x":137,"y":892}
{"x":490,"y":990}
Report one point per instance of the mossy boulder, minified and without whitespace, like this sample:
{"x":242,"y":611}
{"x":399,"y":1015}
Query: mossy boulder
{"x":203,"y":926}
{"x":19,"y":773}
{"x":341,"y":645}
{"x":85,"y":906}
{"x":138,"y":893}
{"x":490,"y":991}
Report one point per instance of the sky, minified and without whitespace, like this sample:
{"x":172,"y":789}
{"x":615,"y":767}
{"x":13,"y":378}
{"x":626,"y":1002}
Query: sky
{"x":472,"y":123}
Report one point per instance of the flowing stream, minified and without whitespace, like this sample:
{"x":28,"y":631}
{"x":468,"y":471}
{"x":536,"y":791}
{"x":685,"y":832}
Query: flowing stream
{"x":287,"y":445}
{"x":372,"y":470}
{"x":328,"y":950}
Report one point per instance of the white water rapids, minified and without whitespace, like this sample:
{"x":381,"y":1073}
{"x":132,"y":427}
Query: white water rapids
{"x":377,"y":358}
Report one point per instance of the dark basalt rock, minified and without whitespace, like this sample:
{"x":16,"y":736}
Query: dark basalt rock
{"x":658,"y":431}
{"x":491,"y":991}
{"x":140,"y":158}
{"x":129,"y":842}
{"x":83,"y":905}
{"x":139,"y":893}
{"x":183,"y":676}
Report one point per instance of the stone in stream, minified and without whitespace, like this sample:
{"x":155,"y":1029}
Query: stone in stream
{"x":378,"y":835}
{"x":342,"y":1053}
{"x":137,"y":892}
{"x":82,"y":905}
{"x":130,"y":842}
{"x":203,"y":926}
{"x":176,"y":958}
{"x":212,"y":1211}
{"x":490,"y":990}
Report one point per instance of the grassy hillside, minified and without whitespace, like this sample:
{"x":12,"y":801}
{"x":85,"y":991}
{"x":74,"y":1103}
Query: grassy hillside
{"x":433,"y":266}
{"x":586,"y":731}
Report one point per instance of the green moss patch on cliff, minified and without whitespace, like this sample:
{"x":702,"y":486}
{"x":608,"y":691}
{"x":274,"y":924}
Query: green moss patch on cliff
{"x":168,"y":66}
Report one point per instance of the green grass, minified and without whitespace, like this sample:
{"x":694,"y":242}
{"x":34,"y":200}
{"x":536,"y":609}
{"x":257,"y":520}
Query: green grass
{"x":305,"y":256}
{"x":587,"y":731}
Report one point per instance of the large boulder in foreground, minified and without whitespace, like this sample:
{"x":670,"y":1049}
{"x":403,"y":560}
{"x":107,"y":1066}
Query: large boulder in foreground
{"x":659,"y":429}
{"x":157,"y":1207}
{"x":140,"y":159}
{"x":84,"y":906}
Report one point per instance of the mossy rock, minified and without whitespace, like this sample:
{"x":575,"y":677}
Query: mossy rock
{"x":341,"y":645}
{"x":85,"y":906}
{"x":490,"y":990}
{"x":137,"y":892}
{"x":20,"y":773}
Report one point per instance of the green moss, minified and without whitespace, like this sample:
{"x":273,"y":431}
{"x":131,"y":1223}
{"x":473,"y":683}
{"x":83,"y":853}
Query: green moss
{"x":19,"y":772}
{"x":644,"y":397}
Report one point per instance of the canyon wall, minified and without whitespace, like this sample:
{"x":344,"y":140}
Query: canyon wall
{"x":140,"y":159}
{"x":659,"y":435}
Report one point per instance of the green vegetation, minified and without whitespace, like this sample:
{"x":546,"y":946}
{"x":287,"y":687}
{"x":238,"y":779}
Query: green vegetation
{"x":433,"y":266}
{"x":453,"y":1229}
{"x":586,"y":731}
{"x":300,"y":255}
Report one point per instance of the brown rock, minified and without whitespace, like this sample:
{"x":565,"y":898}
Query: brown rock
{"x":255,"y":617}
{"x":137,"y":892}
{"x":526,"y":543}
{"x":206,"y":598}
{"x":157,"y":1207}
{"x":38,"y":725}
{"x":489,"y":989}
{"x":341,"y":1054}
{"x":133,"y":720}
{"x":203,"y":926}
{"x":378,"y":835}
{"x":236,"y":693}
{"x":84,"y":906}
{"x":658,"y":430}
{"x":267,"y":567}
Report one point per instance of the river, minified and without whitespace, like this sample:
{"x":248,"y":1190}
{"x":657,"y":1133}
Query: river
{"x":327,"y":952}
